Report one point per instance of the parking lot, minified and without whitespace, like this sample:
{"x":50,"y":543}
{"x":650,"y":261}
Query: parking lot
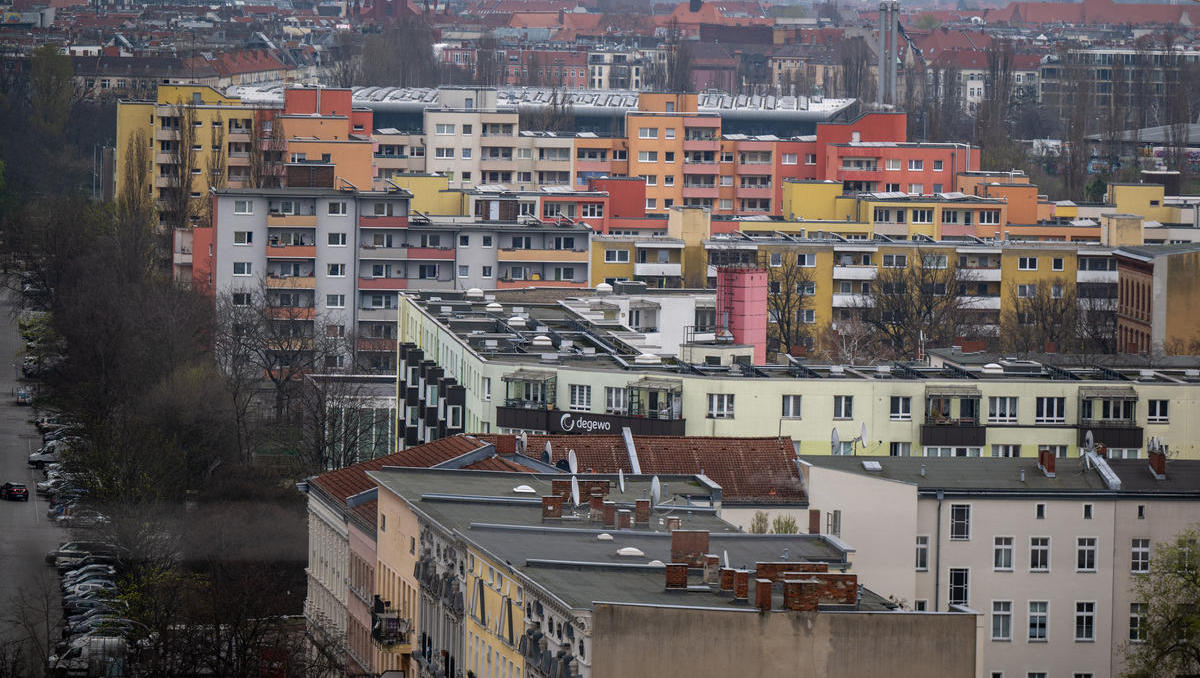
{"x":27,"y":533}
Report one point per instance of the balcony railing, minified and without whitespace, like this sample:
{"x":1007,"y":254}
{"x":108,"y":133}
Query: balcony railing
{"x":390,"y":629}
{"x":527,"y":404}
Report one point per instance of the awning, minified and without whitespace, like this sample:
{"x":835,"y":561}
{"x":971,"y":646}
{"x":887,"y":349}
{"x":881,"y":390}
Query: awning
{"x":952,"y":391}
{"x":529,"y":375}
{"x":1108,"y":392}
{"x":652,"y":384}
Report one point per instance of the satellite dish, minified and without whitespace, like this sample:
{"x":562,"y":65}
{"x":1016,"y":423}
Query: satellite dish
{"x":862,"y":434}
{"x":547,"y":452}
{"x":1088,"y":440}
{"x":835,"y":442}
{"x":572,"y":462}
{"x":655,"y":491}
{"x":726,"y":553}
{"x":574,"y":490}
{"x":621,"y":480}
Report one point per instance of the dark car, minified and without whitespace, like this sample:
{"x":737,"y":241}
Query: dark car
{"x":14,"y":492}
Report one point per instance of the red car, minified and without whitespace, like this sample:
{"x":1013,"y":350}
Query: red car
{"x":14,"y":492}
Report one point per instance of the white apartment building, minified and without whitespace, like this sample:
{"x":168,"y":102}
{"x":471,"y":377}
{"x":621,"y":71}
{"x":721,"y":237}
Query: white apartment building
{"x":1046,"y":550}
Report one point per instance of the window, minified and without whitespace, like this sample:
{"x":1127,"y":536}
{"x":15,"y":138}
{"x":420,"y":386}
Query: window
{"x":243,"y":207}
{"x":487,"y":388}
{"x":647,"y":156}
{"x":789,"y":159}
{"x":614,"y":400}
{"x":1056,"y":264}
{"x":651,"y":203}
{"x":1158,"y":412}
{"x":487,"y":241}
{"x":1140,"y":562}
{"x":1025,"y":263}
{"x":916,"y":165}
{"x":960,"y":586}
{"x":241,"y":298}
{"x":1141,"y":512}
{"x":464,"y":271}
{"x":791,"y":407}
{"x":1051,"y":410}
{"x":1137,"y":622}
{"x":650,"y":179}
{"x":1039,"y":615}
{"x":720,"y":406}
{"x":464,"y":241}
{"x":669,"y":156}
{"x":992,"y":217}
{"x":901,"y":409}
{"x":916,"y":189}
{"x":892,"y":165}
{"x":487,"y":272}
{"x":466,"y":155}
{"x":895,"y":260}
{"x":241,"y":268}
{"x":616,"y":256}
{"x":337,"y":239}
{"x":335,"y":301}
{"x":427,"y":271}
{"x":336,"y":270}
{"x":1085,"y":622}
{"x":776,"y":260}
{"x":1085,"y":554}
{"x":1006,"y":450}
{"x":923,"y":553}
{"x":1039,"y":554}
{"x":807,"y":316}
{"x":900,"y":449}
{"x":647,"y":132}
{"x":243,"y":237}
{"x":843,"y":407}
{"x":669,"y":133}
{"x":337,"y":208}
{"x":810,"y":159}
{"x":937,"y":165}
{"x":1002,"y":554}
{"x":1087,"y":511}
{"x":960,"y":522}
{"x":922,"y":216}
{"x":1001,"y":620}
{"x":581,"y":397}
{"x":444,"y":130}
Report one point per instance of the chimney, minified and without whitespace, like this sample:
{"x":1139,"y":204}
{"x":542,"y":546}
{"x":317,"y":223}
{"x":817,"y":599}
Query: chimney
{"x":677,"y":575}
{"x":726,"y":576}
{"x":762,"y":594}
{"x":674,"y":523}
{"x":610,"y":513}
{"x":814,"y":521}
{"x":689,"y":546}
{"x":1158,"y":464}
{"x":712,"y":568}
{"x":694,"y":5}
{"x":796,"y":598}
{"x":506,"y":444}
{"x":1046,"y":462}
{"x":641,"y":512}
{"x":596,"y":506}
{"x":741,"y":586}
{"x":624,"y":517}
{"x":552,"y":507}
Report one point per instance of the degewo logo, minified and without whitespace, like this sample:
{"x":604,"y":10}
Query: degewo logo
{"x":569,"y":422}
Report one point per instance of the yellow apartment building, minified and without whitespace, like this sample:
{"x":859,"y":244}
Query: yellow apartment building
{"x":495,"y":617}
{"x":396,"y":589}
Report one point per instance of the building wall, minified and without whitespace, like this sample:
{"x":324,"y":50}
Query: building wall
{"x":397,"y":548}
{"x":325,"y":604}
{"x":494,"y":619}
{"x":363,"y":557}
{"x":1180,"y":288}
{"x":745,"y":643}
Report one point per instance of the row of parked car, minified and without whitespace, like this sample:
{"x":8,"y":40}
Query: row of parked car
{"x":95,"y":625}
{"x":65,"y":486}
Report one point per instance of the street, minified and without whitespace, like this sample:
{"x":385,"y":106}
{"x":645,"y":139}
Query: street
{"x":27,"y":534}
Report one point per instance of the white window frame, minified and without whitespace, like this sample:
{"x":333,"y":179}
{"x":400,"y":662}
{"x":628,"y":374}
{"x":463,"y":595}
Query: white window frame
{"x":243,"y":238}
{"x":336,"y":239}
{"x":243,"y":207}
{"x":843,"y":407}
{"x":720,"y":406}
{"x":1158,"y":411}
{"x":1139,"y":555}
{"x":921,"y":556}
{"x":1082,"y":548}
{"x":1044,"y":616}
{"x":1039,"y":548}
{"x":1043,"y":413}
{"x":903,"y":412}
{"x":959,"y":521}
{"x":616,"y":256}
{"x":1005,"y":548}
{"x":792,"y":406}
{"x":1002,"y":409}
{"x":335,"y":301}
{"x":246,"y":267}
{"x":966,"y":571}
{"x":580,"y":397}
{"x":1089,"y":616}
{"x":1026,"y":263}
{"x":1002,"y":612}
{"x":615,"y":401}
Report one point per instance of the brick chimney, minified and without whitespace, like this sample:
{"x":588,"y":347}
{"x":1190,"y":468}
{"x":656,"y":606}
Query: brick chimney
{"x":552,"y":507}
{"x":814,"y":521}
{"x":677,"y":576}
{"x":1158,"y":464}
{"x":624,"y":518}
{"x":596,"y":506}
{"x":610,"y":513}
{"x":712,"y":568}
{"x":762,"y":594}
{"x":689,"y":546}
{"x":741,"y":585}
{"x":506,"y":444}
{"x":674,"y":523}
{"x":641,"y":512}
{"x":806,"y":593}
{"x":1046,"y":462}
{"x":726,"y":575}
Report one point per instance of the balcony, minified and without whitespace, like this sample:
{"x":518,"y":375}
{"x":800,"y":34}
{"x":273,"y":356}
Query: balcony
{"x":431,"y":253}
{"x":182,"y":257}
{"x":579,"y":256}
{"x":945,"y":431}
{"x":1119,"y":433}
{"x":980,"y":303}
{"x":295,"y":282}
{"x":593,"y":166}
{"x":754,"y":191}
{"x":383,"y":222}
{"x":1096,"y":277}
{"x":707,"y":168}
{"x":657,"y":270}
{"x":978,"y":274}
{"x":368,"y":283}
{"x":291,"y":313}
{"x":291,"y":251}
{"x":383,"y":314}
{"x":241,"y":134}
{"x":391,"y":156}
{"x":709,"y":191}
{"x":854,"y":272}
{"x":165,"y":159}
{"x":713,"y":145}
{"x":161,"y":134}
{"x":370,"y":251}
{"x":510,"y":284}
{"x":377,"y":344}
{"x":293,"y":220}
{"x":852,"y":301}
{"x":389,"y":630}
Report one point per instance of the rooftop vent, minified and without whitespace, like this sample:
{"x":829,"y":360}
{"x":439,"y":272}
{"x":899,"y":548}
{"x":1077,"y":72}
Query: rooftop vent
{"x":542,"y":341}
{"x":993,"y":368}
{"x":647,"y":359}
{"x":474,"y":293}
{"x":630,"y":552}
{"x":524,"y":489}
{"x":604,"y":289}
{"x":872,"y":466}
{"x":604,"y":536}
{"x":516,"y":321}
{"x":494,"y":307}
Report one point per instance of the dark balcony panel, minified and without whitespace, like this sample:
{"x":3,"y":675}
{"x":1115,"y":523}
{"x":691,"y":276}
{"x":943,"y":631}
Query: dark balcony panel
{"x":559,"y":421}
{"x":953,"y":434}
{"x":1112,"y":436}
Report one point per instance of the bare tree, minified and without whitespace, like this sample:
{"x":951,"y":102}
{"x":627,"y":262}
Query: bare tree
{"x":489,"y":61}
{"x":917,"y":305}
{"x":1041,"y":317}
{"x":679,"y":59}
{"x":180,"y":207}
{"x":218,"y":158}
{"x":854,"y":58}
{"x":267,"y":147}
{"x":790,"y":288}
{"x":849,"y":341}
{"x":34,"y":612}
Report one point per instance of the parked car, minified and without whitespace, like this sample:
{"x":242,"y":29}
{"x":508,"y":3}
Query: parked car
{"x":14,"y":492}
{"x":93,"y":585}
{"x":80,"y":550}
{"x":75,"y":576}
{"x":101,"y":600}
{"x":40,"y":458}
{"x":24,"y":395}
{"x":65,"y":563}
{"x":82,"y":518}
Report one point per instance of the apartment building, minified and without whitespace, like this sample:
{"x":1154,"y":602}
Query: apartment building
{"x":1159,"y":286}
{"x":1046,"y":549}
{"x":513,"y":584}
{"x":528,"y":364}
{"x":1135,"y":78}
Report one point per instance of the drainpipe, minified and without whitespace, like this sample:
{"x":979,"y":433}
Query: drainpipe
{"x":937,"y":556}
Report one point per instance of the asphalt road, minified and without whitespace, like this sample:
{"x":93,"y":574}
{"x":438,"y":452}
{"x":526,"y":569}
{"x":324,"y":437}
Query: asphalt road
{"x":25,"y":533}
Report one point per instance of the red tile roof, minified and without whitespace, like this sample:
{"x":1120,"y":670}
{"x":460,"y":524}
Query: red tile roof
{"x":347,"y":482}
{"x":496,"y":464}
{"x":747,"y":469}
